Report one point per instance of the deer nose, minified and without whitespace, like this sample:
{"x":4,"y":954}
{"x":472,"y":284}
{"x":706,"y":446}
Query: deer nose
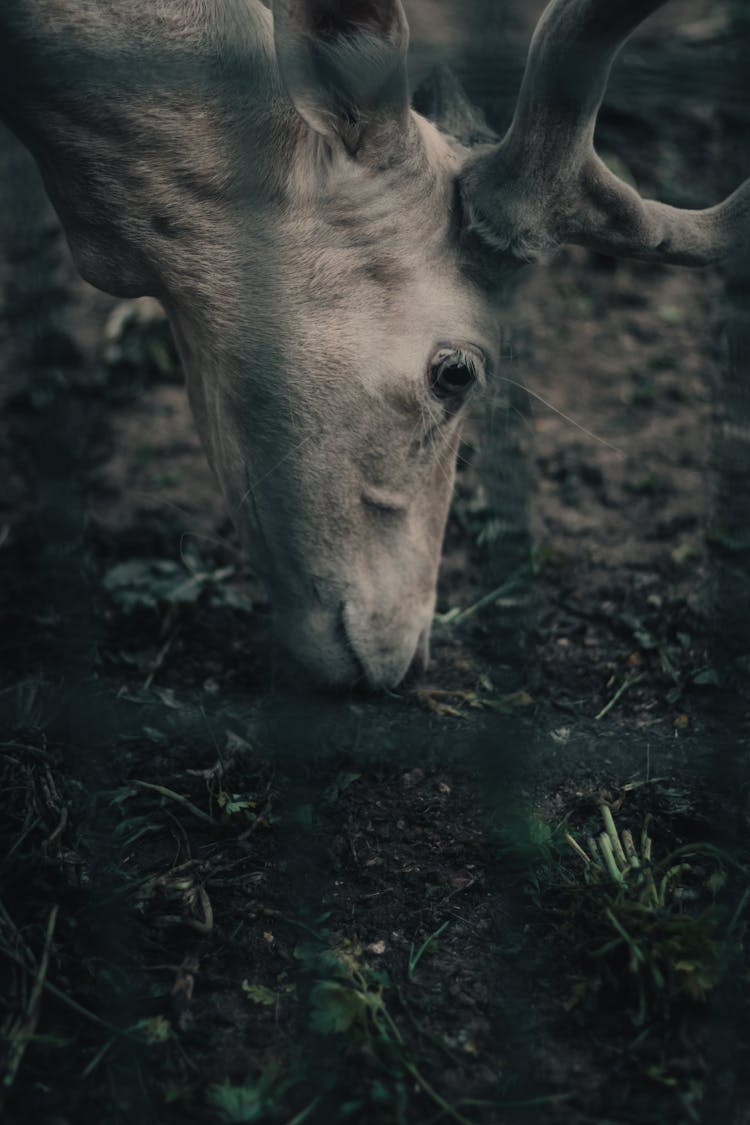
{"x":386,"y":657}
{"x":351,"y":646}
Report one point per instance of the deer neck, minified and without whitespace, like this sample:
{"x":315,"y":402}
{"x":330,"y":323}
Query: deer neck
{"x":147,"y":118}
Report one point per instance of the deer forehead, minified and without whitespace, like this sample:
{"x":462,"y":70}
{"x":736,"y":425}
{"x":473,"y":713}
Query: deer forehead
{"x":369,"y":266}
{"x":395,"y":211}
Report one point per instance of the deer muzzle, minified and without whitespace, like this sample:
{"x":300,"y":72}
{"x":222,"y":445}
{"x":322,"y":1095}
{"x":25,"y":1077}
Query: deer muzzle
{"x":356,"y":645}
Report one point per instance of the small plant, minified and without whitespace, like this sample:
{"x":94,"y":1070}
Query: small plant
{"x":252,"y":1101}
{"x":427,"y":946}
{"x":351,"y":1000}
{"x":639,"y":942}
{"x":664,"y":918}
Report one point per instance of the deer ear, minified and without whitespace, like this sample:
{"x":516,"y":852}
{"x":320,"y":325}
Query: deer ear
{"x":343,"y":63}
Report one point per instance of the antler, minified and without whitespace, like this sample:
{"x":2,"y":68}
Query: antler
{"x":544,"y":184}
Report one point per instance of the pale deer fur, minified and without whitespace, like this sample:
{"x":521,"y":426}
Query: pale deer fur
{"x":328,"y":259}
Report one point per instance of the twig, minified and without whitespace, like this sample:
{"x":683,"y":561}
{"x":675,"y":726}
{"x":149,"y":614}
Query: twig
{"x":158,"y":662}
{"x":435,"y":1096}
{"x":20,"y":1037}
{"x":425,"y":1031}
{"x":65,"y":999}
{"x":304,"y":1113}
{"x":203,"y":925}
{"x":635,"y":949}
{"x":93,"y":1063}
{"x":12,"y":745}
{"x":58,"y":831}
{"x":629,"y":682}
{"x":736,"y":917}
{"x":260,"y":819}
{"x":28,"y":828}
{"x":578,"y":849}
{"x":459,"y":616}
{"x":177,"y":797}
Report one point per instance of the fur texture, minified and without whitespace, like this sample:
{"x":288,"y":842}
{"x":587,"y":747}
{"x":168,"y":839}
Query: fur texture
{"x":317,"y":245}
{"x":299,"y":227}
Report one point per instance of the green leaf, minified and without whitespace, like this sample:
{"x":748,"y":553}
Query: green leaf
{"x":155,"y":1030}
{"x":716,"y":880}
{"x":237,"y":1104}
{"x":540,"y":832}
{"x":709,"y":677}
{"x":253,"y":1101}
{"x":233,"y":803}
{"x":340,"y":784}
{"x":259,"y":994}
{"x":335,"y":1008}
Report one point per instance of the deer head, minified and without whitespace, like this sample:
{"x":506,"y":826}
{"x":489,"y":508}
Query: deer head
{"x":329,"y":259}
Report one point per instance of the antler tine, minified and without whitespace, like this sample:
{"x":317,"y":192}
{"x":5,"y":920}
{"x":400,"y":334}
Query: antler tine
{"x":544,"y":185}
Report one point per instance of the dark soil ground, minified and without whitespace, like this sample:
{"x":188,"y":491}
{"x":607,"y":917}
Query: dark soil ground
{"x":224,"y":901}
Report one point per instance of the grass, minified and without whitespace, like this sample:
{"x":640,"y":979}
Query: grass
{"x":428,"y":946}
{"x":645,"y":946}
{"x":166,"y":956}
{"x":666,"y":916}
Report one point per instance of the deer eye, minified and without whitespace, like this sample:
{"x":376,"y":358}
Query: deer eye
{"x":453,"y":373}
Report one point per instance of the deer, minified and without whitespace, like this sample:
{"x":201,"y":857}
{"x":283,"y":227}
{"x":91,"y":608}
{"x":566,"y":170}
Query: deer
{"x":331,"y":261}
